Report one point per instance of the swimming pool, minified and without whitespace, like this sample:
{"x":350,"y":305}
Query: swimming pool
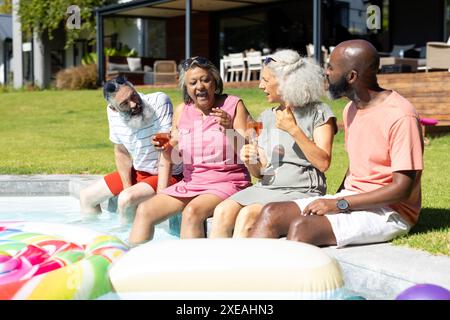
{"x":65,"y":209}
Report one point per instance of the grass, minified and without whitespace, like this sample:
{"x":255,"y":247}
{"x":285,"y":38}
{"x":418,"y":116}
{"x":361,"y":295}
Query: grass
{"x":66,"y":132}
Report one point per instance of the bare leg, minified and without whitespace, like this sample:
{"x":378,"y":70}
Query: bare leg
{"x":92,"y":196}
{"x":275,"y":219}
{"x":130,"y":198}
{"x":224,"y":219}
{"x":314,"y":230}
{"x":151,"y":212}
{"x":246,"y":220}
{"x":195,"y":214}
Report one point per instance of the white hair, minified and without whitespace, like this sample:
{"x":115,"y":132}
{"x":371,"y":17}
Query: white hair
{"x":300,"y":79}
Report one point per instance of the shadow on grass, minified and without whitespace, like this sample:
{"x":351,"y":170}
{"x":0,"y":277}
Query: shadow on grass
{"x":432,"y":219}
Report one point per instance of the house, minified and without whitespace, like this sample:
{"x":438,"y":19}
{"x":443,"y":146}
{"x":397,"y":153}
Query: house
{"x":174,"y":29}
{"x":216,"y":27}
{"x":5,"y":47}
{"x":40,"y":58}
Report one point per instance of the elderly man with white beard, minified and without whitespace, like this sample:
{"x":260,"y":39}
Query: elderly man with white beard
{"x":134,"y":119}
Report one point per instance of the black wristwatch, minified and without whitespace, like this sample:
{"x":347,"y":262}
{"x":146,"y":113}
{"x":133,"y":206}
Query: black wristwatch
{"x":342,"y":205}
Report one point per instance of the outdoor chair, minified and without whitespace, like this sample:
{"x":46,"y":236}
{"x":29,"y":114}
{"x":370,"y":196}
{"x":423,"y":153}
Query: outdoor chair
{"x":254,"y":64}
{"x":226,"y":66}
{"x":137,"y":70}
{"x":310,"y":52}
{"x":165,"y":72}
{"x":237,"y":65}
{"x":399,"y":51}
{"x":438,"y":55}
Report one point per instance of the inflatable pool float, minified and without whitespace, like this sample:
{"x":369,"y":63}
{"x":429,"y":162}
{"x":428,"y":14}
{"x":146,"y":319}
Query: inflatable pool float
{"x":55,"y":261}
{"x":226,"y":269}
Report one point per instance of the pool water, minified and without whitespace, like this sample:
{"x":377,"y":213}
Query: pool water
{"x":66,"y":209}
{"x":62,"y":209}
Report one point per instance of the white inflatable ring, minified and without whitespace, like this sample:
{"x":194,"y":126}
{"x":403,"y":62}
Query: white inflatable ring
{"x":226,"y":269}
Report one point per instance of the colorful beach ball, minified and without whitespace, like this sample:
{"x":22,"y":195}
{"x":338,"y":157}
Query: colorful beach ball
{"x":424,"y":292}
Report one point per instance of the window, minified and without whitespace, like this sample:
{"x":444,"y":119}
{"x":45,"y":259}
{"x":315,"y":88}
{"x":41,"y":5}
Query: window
{"x":155,"y":39}
{"x":243,"y":32}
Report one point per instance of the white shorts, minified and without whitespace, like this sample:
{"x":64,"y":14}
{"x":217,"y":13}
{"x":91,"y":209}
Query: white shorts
{"x":360,"y":227}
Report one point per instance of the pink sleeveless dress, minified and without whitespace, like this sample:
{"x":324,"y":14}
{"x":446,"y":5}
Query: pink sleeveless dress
{"x":210,"y":165}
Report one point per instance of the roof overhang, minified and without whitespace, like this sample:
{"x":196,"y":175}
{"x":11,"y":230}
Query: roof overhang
{"x":173,"y":8}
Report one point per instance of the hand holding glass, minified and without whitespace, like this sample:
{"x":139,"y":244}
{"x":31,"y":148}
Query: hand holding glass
{"x":254,"y":129}
{"x":161,"y":140}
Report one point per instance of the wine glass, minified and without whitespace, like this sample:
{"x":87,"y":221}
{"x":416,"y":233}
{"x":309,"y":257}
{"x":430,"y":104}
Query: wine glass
{"x":162,"y":138}
{"x":253,"y":130}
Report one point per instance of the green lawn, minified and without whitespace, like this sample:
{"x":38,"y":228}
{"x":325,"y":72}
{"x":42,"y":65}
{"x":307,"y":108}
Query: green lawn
{"x":62,"y":132}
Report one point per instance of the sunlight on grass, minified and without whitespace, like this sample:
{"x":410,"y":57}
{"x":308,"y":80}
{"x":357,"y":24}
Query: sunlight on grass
{"x":66,"y":132}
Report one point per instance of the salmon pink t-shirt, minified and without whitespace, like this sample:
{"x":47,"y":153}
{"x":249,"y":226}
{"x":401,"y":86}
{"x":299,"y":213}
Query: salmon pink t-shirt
{"x":381,"y":140}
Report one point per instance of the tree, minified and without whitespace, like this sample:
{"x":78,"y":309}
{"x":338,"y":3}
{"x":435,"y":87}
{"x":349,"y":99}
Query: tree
{"x":6,"y":6}
{"x":45,"y":16}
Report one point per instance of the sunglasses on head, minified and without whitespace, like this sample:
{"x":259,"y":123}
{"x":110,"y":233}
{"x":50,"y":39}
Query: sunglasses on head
{"x":202,"y":61}
{"x":267,"y":60}
{"x":111,"y":86}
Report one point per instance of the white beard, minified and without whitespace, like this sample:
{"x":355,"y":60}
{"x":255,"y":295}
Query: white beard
{"x":139,"y":120}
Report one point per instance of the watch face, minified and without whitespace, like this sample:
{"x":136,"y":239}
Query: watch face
{"x":342,"y":204}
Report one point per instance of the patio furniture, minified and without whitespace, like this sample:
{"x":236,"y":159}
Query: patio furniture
{"x":399,"y":51}
{"x":310,"y":52}
{"x":237,"y":65}
{"x":426,"y":122}
{"x":254,"y":64}
{"x":438,"y":55}
{"x":225,"y":65}
{"x":117,"y":65}
{"x":412,"y":62}
{"x":165,"y":72}
{"x":395,"y":68}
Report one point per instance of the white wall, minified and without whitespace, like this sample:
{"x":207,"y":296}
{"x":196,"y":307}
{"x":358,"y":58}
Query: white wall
{"x":17,"y":65}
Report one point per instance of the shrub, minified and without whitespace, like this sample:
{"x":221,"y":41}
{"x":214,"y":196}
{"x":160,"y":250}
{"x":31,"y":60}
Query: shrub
{"x":77,"y":78}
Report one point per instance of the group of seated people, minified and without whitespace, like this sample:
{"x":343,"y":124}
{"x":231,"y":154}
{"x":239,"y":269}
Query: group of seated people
{"x":205,"y":169}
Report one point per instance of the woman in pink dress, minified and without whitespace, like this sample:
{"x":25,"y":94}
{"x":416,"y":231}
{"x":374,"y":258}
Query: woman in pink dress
{"x":208,"y":129}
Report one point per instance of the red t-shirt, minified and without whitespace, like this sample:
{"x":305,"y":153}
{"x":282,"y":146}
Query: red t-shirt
{"x":381,"y":140}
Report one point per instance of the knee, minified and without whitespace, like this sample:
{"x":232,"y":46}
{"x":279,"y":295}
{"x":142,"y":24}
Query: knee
{"x":190,"y":214}
{"x":87,"y":196}
{"x":222,"y":215}
{"x":299,"y":229}
{"x":84,"y":195}
{"x":271,"y":214}
{"x":246,"y":215}
{"x":245,"y":221}
{"x":124,"y":199}
{"x":144,"y":212}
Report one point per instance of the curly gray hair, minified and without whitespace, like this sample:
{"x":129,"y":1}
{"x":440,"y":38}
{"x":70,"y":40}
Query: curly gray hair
{"x":300,"y":79}
{"x":205,"y":64}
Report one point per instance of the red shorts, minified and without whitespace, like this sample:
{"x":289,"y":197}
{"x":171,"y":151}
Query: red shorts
{"x":114,"y":181}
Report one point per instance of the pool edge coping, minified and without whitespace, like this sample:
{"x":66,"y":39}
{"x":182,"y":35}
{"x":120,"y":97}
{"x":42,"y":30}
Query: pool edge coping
{"x":363,"y":269}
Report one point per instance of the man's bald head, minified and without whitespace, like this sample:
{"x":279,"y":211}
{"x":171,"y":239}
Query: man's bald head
{"x":358,"y":55}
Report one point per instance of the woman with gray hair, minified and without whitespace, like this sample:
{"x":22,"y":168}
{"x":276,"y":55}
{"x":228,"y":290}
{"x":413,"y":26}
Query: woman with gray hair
{"x":204,"y":128}
{"x":294,"y":148}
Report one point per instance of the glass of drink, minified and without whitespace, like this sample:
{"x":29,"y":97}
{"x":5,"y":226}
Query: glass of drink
{"x":253,"y":130}
{"x":162,"y":138}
